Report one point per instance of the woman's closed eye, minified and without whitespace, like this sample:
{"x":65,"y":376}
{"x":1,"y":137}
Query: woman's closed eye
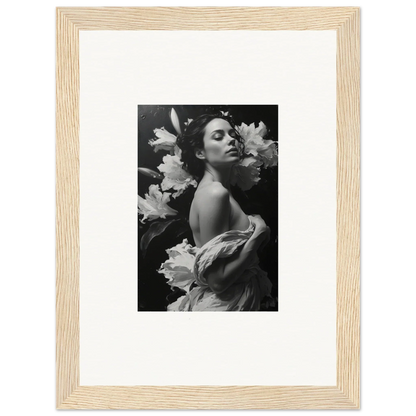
{"x":220,"y":136}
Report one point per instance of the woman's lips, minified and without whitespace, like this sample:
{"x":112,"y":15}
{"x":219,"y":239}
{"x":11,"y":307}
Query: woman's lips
{"x":233,"y":149}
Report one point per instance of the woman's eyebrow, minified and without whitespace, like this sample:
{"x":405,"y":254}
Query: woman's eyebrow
{"x":221,"y":131}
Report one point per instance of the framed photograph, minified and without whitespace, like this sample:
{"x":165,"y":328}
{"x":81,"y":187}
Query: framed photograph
{"x":207,"y":160}
{"x":179,"y":186}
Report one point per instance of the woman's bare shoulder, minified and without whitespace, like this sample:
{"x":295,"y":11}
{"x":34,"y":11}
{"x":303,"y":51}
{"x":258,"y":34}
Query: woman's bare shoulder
{"x":212,"y":192}
{"x":211,"y":211}
{"x":211,"y":200}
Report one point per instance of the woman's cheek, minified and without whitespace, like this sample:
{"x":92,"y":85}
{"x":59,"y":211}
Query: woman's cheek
{"x":215,"y":150}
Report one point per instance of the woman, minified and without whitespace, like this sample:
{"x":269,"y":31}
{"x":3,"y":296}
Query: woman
{"x":226,"y":271}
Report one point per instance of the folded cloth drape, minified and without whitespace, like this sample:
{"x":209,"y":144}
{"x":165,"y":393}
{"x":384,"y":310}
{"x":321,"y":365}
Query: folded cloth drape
{"x":186,"y":267}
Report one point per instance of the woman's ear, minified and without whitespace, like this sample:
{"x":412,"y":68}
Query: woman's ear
{"x":200,"y":154}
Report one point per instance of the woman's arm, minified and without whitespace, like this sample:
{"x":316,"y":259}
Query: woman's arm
{"x":214,"y":214}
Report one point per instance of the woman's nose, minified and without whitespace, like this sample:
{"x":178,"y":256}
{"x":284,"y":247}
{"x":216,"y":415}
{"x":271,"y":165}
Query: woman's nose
{"x":231,"y":141}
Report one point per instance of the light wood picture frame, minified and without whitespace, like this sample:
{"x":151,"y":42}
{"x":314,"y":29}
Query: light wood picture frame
{"x":69,"y":393}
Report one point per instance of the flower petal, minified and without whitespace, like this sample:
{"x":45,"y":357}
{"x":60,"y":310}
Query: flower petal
{"x":261,"y":130}
{"x":176,"y":177}
{"x":154,"y":205}
{"x":164,"y":141}
{"x":175,"y":121}
{"x":178,"y":269}
{"x":246,"y":173}
{"x":254,"y":144}
{"x":149,"y":172}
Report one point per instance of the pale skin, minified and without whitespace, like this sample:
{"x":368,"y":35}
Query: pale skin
{"x":214,"y":210}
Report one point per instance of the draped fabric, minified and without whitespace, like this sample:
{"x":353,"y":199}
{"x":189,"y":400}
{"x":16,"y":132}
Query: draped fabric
{"x":186,"y":266}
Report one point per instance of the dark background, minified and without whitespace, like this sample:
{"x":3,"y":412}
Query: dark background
{"x":154,"y":293}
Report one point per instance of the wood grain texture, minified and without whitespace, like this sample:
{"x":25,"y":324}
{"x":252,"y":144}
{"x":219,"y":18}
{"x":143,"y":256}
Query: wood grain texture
{"x":69,"y":394}
{"x":207,"y":397}
{"x":208,"y":18}
{"x":348,"y":208}
{"x":67,"y":208}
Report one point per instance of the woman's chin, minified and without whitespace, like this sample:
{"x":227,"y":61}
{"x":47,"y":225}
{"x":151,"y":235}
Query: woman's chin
{"x":234,"y":157}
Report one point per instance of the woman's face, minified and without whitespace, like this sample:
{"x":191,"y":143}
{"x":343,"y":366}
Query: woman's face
{"x":220,"y":143}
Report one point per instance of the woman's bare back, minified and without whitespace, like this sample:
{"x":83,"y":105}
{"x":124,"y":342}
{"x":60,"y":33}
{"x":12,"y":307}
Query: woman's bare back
{"x":214,"y":211}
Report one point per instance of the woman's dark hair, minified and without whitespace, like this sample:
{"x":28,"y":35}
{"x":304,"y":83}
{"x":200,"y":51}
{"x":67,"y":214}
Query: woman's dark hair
{"x":192,"y":139}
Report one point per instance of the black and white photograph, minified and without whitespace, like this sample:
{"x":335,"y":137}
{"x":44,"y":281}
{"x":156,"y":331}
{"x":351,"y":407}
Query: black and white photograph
{"x":208,"y":208}
{"x":246,"y":127}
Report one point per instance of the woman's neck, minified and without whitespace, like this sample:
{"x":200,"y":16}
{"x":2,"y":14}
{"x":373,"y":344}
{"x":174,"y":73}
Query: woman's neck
{"x":216,"y":175}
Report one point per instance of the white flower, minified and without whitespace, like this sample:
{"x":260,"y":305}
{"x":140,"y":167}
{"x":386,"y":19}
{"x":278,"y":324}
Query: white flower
{"x":175,"y":121}
{"x":224,"y":113}
{"x":178,"y":269}
{"x":164,"y":141}
{"x":177,"y":151}
{"x":187,"y":122}
{"x":246,"y":173}
{"x":175,"y":176}
{"x":154,"y":204}
{"x":263,"y":150}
